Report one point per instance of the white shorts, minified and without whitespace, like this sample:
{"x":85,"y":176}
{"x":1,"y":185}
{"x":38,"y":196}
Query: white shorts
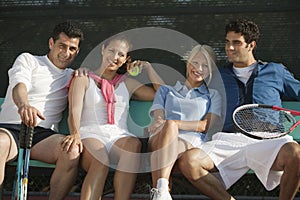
{"x":234,"y":154}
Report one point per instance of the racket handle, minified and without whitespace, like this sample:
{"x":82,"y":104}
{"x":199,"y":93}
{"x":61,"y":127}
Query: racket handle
{"x":22,"y":135}
{"x":266,"y":106}
{"x":28,"y":137}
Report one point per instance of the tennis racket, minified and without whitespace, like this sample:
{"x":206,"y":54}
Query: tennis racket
{"x":21,"y":181}
{"x":264,"y":121}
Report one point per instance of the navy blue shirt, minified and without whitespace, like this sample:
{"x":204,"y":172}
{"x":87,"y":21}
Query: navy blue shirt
{"x":267,"y":84}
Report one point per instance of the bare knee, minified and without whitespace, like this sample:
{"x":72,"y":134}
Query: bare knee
{"x":8,"y":150}
{"x":293,"y":160}
{"x":194,"y":163}
{"x":132,"y":144}
{"x":188,"y":160}
{"x":168,"y":134}
{"x":170,"y":128}
{"x":188,"y":163}
{"x":288,"y":157}
{"x":70,"y":158}
{"x":4,"y":141}
{"x":172,"y":125}
{"x":74,"y":152}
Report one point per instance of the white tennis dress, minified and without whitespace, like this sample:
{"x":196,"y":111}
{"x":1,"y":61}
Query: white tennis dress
{"x":93,"y":123}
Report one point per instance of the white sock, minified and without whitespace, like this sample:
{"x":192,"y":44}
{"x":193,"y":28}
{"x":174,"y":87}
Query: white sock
{"x":163,"y":184}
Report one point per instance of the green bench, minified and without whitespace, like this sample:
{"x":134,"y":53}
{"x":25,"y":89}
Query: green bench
{"x":138,"y":119}
{"x":294,"y":105}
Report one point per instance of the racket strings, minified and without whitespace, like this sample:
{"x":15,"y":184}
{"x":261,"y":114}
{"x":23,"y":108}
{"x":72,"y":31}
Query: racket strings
{"x":262,"y":122}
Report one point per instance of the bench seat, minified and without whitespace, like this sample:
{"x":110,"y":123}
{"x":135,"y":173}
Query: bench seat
{"x":138,"y":120}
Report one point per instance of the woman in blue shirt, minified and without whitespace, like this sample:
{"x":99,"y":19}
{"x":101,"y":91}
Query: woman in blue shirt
{"x":182,"y":115}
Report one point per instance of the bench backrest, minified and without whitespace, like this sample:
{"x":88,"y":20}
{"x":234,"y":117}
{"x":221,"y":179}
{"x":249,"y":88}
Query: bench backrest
{"x":294,"y":105}
{"x":138,"y":117}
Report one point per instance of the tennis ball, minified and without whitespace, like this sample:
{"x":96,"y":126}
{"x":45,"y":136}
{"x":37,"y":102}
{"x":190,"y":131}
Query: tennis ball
{"x":134,"y":71}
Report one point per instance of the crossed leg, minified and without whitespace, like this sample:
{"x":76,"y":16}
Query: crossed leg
{"x":197,"y":166}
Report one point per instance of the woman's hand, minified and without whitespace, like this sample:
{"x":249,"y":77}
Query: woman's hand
{"x":136,"y":67}
{"x":156,"y":126}
{"x":70,"y":141}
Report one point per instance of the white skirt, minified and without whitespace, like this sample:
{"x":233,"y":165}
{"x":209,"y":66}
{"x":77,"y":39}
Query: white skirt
{"x":107,"y":134}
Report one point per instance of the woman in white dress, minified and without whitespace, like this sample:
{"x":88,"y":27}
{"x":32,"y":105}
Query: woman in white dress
{"x":98,"y":109}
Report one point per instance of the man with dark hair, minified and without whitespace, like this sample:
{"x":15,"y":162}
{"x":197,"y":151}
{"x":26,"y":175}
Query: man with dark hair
{"x":232,"y":154}
{"x":37,"y":95}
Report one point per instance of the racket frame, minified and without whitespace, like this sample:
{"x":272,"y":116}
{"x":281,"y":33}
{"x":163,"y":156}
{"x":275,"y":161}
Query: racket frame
{"x":276,"y":108}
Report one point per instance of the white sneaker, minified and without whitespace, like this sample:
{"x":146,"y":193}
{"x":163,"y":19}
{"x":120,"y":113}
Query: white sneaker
{"x":157,"y":194}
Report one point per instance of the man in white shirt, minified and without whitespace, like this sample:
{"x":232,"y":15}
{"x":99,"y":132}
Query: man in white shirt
{"x":37,"y":95}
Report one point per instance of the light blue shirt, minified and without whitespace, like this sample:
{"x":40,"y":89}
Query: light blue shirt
{"x":180,"y":103}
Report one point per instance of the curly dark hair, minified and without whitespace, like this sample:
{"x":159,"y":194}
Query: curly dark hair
{"x":247,"y":28}
{"x":72,"y":30}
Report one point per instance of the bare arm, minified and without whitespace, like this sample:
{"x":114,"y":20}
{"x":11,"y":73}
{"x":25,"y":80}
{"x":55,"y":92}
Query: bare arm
{"x":76,"y":95}
{"x":154,"y":77}
{"x":143,"y":92}
{"x":28,"y":113}
{"x":159,"y":121}
{"x":199,"y":125}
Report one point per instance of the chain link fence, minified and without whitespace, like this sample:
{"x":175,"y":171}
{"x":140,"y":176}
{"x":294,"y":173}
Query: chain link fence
{"x":26,"y":26}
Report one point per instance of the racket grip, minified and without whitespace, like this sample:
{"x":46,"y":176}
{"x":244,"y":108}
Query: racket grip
{"x":28,"y":137}
{"x":265,"y":106}
{"x":22,"y":135}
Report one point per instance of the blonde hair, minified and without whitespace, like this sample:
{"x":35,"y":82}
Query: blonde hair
{"x":209,"y":54}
